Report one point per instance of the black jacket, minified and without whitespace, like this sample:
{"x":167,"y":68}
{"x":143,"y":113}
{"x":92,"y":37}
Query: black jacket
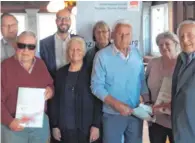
{"x":88,"y":107}
{"x":47,"y":53}
{"x":89,"y":57}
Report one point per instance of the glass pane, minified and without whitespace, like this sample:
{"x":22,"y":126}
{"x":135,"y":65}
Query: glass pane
{"x":46,"y":25}
{"x":159,"y":24}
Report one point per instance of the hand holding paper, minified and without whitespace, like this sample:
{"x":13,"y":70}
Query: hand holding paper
{"x":163,"y":101}
{"x":48,"y":93}
{"x":15,"y":125}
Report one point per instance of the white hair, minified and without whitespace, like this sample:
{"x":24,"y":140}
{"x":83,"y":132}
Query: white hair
{"x":121,"y":22}
{"x":184,"y":23}
{"x":27,"y":33}
{"x":171,"y":36}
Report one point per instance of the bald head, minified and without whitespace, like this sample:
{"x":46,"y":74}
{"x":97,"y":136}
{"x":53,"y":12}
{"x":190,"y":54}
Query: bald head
{"x":63,"y":20}
{"x":63,"y":12}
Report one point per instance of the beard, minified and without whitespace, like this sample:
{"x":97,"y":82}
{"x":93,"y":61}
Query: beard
{"x":63,"y":30}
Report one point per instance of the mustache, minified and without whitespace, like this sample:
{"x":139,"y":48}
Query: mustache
{"x":65,"y":25}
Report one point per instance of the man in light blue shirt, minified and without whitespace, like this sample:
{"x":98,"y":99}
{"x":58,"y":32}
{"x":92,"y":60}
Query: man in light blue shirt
{"x":118,"y":80}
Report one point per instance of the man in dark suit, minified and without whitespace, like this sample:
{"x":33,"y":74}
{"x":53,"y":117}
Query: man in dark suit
{"x":53,"y":47}
{"x":183,"y":86}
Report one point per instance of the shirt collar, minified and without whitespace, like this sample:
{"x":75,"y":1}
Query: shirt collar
{"x":4,"y":41}
{"x":187,"y":57}
{"x":116,"y":52}
{"x":32,"y":66}
{"x":58,"y":37}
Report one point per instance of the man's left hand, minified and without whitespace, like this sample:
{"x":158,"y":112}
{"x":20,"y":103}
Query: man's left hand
{"x":48,"y":93}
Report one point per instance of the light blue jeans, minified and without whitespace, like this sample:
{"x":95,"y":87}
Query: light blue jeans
{"x":117,"y":129}
{"x":28,"y":135}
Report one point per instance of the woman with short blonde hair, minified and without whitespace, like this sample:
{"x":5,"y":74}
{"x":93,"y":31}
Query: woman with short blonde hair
{"x":77,"y":113}
{"x":78,"y":40}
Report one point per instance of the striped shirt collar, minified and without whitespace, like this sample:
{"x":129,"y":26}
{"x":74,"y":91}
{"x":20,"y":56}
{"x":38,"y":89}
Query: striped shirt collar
{"x":32,"y":66}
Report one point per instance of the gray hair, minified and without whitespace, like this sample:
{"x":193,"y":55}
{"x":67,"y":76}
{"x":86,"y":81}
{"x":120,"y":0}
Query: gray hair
{"x":171,"y":36}
{"x":27,"y":33}
{"x":101,"y":25}
{"x":77,"y":39}
{"x":121,"y":22}
{"x":184,"y":23}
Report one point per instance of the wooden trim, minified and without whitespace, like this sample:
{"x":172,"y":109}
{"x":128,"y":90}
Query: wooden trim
{"x":170,"y":15}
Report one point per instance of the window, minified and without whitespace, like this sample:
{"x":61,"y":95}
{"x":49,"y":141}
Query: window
{"x":159,"y":23}
{"x":47,"y":25}
{"x":21,"y":22}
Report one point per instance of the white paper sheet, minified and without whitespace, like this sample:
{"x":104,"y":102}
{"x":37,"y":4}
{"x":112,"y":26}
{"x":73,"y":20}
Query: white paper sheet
{"x":31,"y":103}
{"x":164,"y":95}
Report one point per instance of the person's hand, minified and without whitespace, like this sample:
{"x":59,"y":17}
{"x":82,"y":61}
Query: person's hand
{"x":48,"y":93}
{"x":123,"y":109}
{"x":56,"y":134}
{"x":141,"y":99}
{"x":94,"y":134}
{"x":15,"y":125}
{"x":156,"y":108}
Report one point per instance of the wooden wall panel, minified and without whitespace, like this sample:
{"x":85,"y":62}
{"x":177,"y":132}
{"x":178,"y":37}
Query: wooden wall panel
{"x":182,"y":10}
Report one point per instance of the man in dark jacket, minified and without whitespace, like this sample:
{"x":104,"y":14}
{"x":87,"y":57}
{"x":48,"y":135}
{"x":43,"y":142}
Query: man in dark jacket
{"x":183,"y":90}
{"x":53,"y":47}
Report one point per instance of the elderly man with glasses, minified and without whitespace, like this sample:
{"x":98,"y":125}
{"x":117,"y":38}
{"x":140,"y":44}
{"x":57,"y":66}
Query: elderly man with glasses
{"x":23,"y":70}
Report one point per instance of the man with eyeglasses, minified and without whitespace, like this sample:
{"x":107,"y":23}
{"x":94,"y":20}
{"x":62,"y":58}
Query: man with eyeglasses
{"x":9,"y":30}
{"x":52,"y":48}
{"x":23,"y":70}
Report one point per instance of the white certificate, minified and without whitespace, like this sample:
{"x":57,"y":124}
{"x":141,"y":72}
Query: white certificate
{"x":164,"y":95}
{"x":30,"y":104}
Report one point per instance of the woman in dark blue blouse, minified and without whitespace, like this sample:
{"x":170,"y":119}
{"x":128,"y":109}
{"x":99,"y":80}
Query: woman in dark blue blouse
{"x":76,"y":112}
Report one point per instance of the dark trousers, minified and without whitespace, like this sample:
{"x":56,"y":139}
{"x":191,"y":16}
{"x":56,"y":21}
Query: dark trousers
{"x":158,"y":134}
{"x":74,"y":136}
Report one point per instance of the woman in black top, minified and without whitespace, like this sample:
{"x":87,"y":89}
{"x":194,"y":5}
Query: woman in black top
{"x":101,"y":37}
{"x":76,"y":113}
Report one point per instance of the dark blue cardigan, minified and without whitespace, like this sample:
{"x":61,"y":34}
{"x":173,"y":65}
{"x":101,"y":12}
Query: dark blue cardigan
{"x":88,"y":107}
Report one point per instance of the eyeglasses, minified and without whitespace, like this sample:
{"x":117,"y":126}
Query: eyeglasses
{"x":10,"y":26}
{"x":23,"y":46}
{"x":63,"y":18}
